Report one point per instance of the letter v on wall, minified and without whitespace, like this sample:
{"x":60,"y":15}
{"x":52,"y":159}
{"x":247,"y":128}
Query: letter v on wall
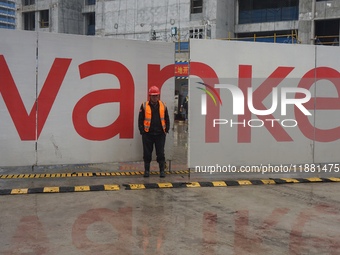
{"x":29,"y":126}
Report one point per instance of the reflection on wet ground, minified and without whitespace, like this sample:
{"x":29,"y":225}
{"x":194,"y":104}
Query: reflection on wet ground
{"x":180,"y":142}
{"x":225,"y":219}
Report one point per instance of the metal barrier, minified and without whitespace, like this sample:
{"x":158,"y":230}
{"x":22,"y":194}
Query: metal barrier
{"x":332,"y":40}
{"x":291,"y":38}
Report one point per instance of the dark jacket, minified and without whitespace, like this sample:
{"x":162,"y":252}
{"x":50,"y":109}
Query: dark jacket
{"x":156,"y":125}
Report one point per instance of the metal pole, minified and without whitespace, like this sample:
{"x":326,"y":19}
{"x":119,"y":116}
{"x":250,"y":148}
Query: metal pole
{"x":313,"y":23}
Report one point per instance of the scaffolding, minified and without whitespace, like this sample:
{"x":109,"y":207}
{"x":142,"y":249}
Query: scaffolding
{"x":291,"y":38}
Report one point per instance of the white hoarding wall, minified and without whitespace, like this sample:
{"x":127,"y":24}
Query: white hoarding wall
{"x":88,"y":92}
{"x":280,"y":124}
{"x":17,"y":70}
{"x":327,"y":104}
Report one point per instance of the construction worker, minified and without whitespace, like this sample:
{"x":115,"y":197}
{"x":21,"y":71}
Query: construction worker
{"x":153,"y":124}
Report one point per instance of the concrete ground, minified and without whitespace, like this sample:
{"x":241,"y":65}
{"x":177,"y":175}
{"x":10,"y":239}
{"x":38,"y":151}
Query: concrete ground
{"x":56,"y":211}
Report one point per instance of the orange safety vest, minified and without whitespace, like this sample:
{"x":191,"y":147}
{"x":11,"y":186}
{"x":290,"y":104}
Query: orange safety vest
{"x":147,"y":118}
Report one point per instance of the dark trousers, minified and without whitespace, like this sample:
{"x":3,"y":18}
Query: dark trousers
{"x":148,"y":142}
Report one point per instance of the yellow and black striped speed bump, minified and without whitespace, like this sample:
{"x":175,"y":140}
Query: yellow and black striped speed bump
{"x":84,"y":174}
{"x":161,"y":185}
{"x":65,"y":189}
{"x":227,"y":183}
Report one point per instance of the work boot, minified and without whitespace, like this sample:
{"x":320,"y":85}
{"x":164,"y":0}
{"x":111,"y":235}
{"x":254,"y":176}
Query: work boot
{"x":146,"y":169}
{"x":161,"y":169}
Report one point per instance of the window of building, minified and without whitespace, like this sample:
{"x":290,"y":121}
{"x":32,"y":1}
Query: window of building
{"x":90,"y":2}
{"x":284,"y":36}
{"x":91,"y":23}
{"x":196,"y":6}
{"x":29,"y":21}
{"x":28,"y":2}
{"x":44,"y":19}
{"x":196,"y":33}
{"x":254,"y":11}
{"x":327,"y":32}
{"x":5,"y":12}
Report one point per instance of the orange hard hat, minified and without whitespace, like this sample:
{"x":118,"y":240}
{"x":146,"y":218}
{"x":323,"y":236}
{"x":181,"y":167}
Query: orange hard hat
{"x":154,"y":91}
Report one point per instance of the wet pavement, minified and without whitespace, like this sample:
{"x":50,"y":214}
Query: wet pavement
{"x":115,"y":173}
{"x":184,"y":213}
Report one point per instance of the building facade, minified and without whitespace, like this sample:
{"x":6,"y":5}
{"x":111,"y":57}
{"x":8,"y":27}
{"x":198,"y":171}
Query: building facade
{"x":7,"y":14}
{"x":57,"y":16}
{"x":289,"y":21}
{"x":280,"y":21}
